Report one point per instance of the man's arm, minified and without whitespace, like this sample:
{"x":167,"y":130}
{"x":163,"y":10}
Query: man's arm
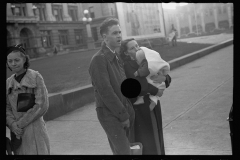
{"x":100,"y":78}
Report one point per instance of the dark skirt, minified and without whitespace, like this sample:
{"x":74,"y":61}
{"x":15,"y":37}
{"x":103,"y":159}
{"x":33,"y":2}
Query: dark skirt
{"x":148,"y":128}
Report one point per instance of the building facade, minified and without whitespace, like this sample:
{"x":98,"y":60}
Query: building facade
{"x":206,"y":16}
{"x":42,"y":27}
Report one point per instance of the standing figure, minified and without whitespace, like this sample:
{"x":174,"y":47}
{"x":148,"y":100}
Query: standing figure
{"x":27,"y":128}
{"x":135,"y":25}
{"x":114,"y":111}
{"x":174,"y":39}
{"x":148,"y":122}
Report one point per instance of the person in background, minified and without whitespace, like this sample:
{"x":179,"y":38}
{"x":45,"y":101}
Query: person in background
{"x":174,"y":39}
{"x":28,"y":127}
{"x":114,"y":111}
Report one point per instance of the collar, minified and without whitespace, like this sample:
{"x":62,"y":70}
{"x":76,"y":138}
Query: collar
{"x":110,"y":49}
{"x":29,"y":80}
{"x":108,"y":52}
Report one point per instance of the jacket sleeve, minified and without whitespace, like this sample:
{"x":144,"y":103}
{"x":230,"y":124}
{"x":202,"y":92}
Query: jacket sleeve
{"x":41,"y":106}
{"x":100,"y":78}
{"x":9,"y":115}
{"x":145,"y":86}
{"x":152,"y":89}
{"x":143,"y":69}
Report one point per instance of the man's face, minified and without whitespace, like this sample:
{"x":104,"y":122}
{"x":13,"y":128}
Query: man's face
{"x":113,"y":37}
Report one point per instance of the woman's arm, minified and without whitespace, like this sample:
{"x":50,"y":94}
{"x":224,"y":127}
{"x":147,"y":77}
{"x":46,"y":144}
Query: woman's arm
{"x":41,"y":106}
{"x":145,"y":86}
{"x":142,"y":70}
{"x":9,"y":115}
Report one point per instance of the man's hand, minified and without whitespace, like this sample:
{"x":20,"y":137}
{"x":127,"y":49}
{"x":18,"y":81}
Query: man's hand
{"x":158,"y":78}
{"x":160,"y":93}
{"x":126,"y":123}
{"x":15,"y":129}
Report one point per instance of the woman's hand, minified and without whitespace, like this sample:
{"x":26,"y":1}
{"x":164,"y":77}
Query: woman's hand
{"x":160,"y":93}
{"x":158,"y":78}
{"x":16,"y":130}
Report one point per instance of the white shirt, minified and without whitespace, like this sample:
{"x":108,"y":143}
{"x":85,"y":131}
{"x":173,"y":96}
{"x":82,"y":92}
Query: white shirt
{"x":112,"y":51}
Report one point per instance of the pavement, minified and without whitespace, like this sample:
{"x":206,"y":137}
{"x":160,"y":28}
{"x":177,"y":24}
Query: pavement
{"x":212,"y":39}
{"x":195,"y":108}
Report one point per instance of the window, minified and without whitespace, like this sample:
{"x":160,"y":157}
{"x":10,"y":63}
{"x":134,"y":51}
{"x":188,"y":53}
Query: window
{"x":72,"y":11}
{"x":95,"y":33}
{"x":224,"y":9}
{"x":20,"y":9}
{"x":78,"y":36}
{"x":111,"y":11}
{"x":219,"y":10}
{"x":198,"y":15}
{"x":63,"y":37}
{"x":92,"y":15}
{"x":210,"y":12}
{"x":46,"y":38}
{"x":40,"y":11}
{"x":58,"y":12}
{"x":206,"y":13}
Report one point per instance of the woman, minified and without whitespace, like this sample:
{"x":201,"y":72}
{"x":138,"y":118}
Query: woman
{"x":174,"y":39}
{"x":29,"y":127}
{"x":148,"y":124}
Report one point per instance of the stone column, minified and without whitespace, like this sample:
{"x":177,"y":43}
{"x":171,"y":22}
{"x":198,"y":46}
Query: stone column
{"x":9,"y":10}
{"x":90,"y":41}
{"x":202,"y":21}
{"x":66,"y":16}
{"x":178,"y":27}
{"x":190,"y":23}
{"x":29,"y":9}
{"x":229,"y":16}
{"x":49,"y":14}
{"x":80,"y":11}
{"x":215,"y":17}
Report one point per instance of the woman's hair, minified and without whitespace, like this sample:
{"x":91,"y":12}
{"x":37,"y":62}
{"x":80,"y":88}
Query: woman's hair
{"x":124,"y":48}
{"x":19,"y":48}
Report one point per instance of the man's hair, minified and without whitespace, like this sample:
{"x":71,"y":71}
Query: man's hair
{"x":108,"y":23}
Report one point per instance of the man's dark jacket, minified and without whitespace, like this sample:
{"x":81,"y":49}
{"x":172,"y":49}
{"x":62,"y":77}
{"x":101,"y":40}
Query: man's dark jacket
{"x":106,"y":80}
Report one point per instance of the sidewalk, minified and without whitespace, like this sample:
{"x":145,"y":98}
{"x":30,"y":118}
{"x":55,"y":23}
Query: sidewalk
{"x":212,"y":39}
{"x":195,"y":108}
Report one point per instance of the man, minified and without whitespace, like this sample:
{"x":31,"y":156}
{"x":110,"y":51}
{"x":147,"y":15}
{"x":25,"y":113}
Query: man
{"x":114,"y":111}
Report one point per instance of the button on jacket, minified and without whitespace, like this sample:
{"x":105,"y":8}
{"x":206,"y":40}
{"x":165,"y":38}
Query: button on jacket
{"x":106,"y":78}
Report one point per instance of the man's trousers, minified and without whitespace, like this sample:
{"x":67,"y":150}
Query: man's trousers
{"x":119,"y":137}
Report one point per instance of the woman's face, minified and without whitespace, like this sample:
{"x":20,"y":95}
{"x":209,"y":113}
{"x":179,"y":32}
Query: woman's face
{"x":16,"y":61}
{"x":132,"y":48}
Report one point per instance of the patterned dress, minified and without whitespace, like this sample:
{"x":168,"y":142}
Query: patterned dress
{"x":35,"y":140}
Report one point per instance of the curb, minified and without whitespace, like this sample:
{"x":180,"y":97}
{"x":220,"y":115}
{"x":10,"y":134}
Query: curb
{"x":64,"y":102}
